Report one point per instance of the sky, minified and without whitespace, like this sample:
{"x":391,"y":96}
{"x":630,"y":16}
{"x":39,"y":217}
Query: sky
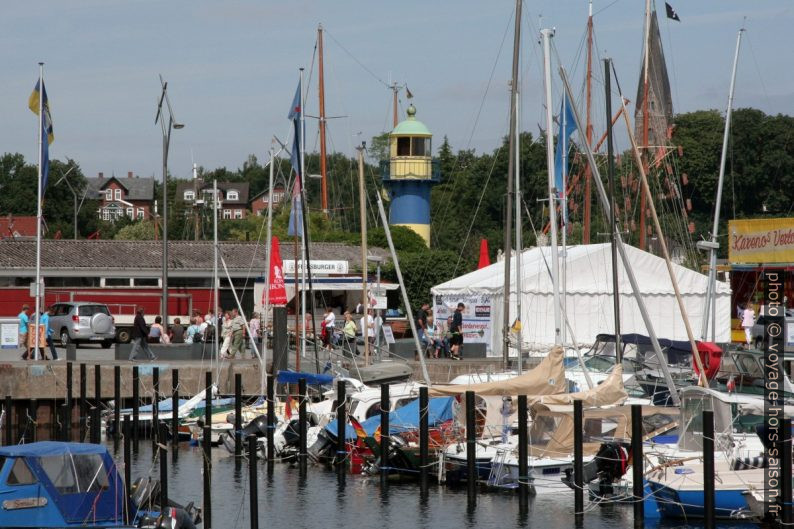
{"x":232,"y":68}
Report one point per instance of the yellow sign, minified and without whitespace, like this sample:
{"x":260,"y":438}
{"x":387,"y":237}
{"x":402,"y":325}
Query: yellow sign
{"x":761,"y":241}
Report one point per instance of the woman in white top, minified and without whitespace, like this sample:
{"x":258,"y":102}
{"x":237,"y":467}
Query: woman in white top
{"x":748,"y":320}
{"x":330,"y":323}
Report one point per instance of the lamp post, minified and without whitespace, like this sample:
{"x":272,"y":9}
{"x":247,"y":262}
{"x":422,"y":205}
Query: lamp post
{"x":377,"y":260}
{"x":74,"y":195}
{"x":166,"y":128}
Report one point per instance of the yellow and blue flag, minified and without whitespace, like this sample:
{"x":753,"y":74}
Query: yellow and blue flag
{"x":38,"y":99}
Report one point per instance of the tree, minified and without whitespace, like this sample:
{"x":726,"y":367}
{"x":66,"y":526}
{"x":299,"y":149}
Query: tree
{"x":142,"y":230}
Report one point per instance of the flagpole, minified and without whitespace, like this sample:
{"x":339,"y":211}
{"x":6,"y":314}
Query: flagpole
{"x":303,"y":246}
{"x":38,"y":214}
{"x":268,"y":259}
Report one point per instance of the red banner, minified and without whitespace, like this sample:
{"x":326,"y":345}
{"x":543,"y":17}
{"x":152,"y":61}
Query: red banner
{"x":278,"y":294}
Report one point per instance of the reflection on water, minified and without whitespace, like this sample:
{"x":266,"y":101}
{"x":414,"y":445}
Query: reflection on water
{"x":324,"y":499}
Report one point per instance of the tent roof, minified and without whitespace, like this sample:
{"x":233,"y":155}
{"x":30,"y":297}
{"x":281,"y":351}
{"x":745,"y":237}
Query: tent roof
{"x":589,"y":271}
{"x":51,"y":448}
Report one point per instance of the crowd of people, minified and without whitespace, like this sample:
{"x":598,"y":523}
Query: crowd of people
{"x":442,"y":338}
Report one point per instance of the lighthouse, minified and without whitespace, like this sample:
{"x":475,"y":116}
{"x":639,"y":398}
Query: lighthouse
{"x":409,"y":173}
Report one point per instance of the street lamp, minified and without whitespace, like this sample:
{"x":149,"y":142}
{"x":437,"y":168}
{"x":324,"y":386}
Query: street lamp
{"x":166,"y":128}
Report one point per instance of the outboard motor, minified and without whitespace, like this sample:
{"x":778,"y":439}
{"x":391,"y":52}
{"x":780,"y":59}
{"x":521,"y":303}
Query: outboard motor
{"x":608,"y":465}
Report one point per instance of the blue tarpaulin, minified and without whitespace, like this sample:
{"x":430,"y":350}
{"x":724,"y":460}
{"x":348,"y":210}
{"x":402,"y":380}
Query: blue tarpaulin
{"x":439,"y":410}
{"x":292,"y":377}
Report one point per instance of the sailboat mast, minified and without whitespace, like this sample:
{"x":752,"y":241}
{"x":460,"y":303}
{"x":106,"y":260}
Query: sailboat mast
{"x":589,"y":125}
{"x":362,"y":206}
{"x":646,"y":61}
{"x":511,"y":171}
{"x":321,"y":88}
{"x":613,"y":225}
{"x":268,"y":259}
{"x":711,"y":297}
{"x":394,"y":90}
{"x":519,"y":245}
{"x":555,"y":263}
{"x":216,"y":308}
{"x":304,"y":214}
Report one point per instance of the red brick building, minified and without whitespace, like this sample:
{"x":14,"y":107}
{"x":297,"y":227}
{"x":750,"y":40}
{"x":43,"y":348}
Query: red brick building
{"x":131,"y":197}
{"x":13,"y":227}
{"x":260,"y":201}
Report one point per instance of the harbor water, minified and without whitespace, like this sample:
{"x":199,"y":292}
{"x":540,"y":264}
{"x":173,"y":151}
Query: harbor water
{"x":322,"y":500}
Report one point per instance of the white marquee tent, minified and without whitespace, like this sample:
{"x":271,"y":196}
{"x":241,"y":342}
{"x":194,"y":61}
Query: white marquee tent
{"x":588,"y":298}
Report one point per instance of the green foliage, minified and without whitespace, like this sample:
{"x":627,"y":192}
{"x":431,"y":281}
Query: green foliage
{"x":142,"y":230}
{"x":421,"y":270}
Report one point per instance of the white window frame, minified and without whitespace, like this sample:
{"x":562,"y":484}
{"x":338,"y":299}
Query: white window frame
{"x":227,"y":214}
{"x":105,"y":214}
{"x":238,"y":213}
{"x":232,"y":194}
{"x":131,"y":213}
{"x":140,"y":213}
{"x":118,"y":194}
{"x":189,"y":195}
{"x":108,"y":194}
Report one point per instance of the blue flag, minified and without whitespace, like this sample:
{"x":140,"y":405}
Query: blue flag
{"x":295,"y":227}
{"x":39,"y":98}
{"x":567,"y":126}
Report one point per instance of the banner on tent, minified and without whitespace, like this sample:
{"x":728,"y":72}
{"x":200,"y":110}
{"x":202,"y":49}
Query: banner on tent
{"x":476,"y":316}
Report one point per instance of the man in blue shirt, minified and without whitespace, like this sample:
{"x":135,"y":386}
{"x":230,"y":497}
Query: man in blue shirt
{"x":23,"y":330}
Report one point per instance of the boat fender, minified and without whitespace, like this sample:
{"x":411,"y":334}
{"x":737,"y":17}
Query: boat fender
{"x":174,"y":518}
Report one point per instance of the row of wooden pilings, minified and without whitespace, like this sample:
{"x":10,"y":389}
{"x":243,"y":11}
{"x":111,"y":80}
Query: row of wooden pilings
{"x":89,"y":420}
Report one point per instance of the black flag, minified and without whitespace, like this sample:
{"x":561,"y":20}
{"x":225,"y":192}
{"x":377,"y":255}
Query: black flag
{"x":671,"y":12}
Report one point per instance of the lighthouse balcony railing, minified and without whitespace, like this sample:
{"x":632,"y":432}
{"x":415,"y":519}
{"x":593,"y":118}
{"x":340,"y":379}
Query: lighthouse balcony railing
{"x":411,"y":168}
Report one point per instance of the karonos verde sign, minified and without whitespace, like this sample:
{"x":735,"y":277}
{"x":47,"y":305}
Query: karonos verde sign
{"x":761,"y":241}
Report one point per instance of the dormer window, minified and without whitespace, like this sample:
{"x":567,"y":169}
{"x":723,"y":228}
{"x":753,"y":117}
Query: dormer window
{"x":190,"y":196}
{"x":118,"y":194}
{"x":232,"y":195}
{"x":108,"y":194}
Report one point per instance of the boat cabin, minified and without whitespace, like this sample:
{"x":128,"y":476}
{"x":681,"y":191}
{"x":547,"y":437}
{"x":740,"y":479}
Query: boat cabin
{"x":53,"y":484}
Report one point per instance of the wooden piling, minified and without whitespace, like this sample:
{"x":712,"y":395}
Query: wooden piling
{"x":523,"y":449}
{"x":163,"y":454}
{"x":636,"y":465}
{"x":136,"y":398}
{"x":341,"y":426}
{"x":424,"y":438}
{"x":207,"y":507}
{"x":302,"y":430}
{"x":253,"y":495}
{"x":238,"y":415}
{"x":127,"y":454}
{"x":271,"y":420}
{"x":9,"y":416}
{"x":155,"y":409}
{"x":174,"y":410}
{"x":578,"y":464}
{"x":471,"y":448}
{"x":385,"y":408}
{"x":117,"y":404}
{"x":708,"y":470}
{"x":83,"y":401}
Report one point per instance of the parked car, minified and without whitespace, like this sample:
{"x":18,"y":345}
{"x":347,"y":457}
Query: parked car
{"x":83,"y":321}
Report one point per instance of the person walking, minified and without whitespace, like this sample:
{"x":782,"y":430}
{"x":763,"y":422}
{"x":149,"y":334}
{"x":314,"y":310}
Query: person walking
{"x":177,"y":332}
{"x":456,"y":329}
{"x":255,"y":333}
{"x":140,"y":335}
{"x":238,"y":333}
{"x":226,"y":334}
{"x":330,"y":324}
{"x":45,"y":321}
{"x":748,"y":320}
{"x":367,"y":324}
{"x":350,"y":332}
{"x":24,"y":319}
{"x":421,"y":324}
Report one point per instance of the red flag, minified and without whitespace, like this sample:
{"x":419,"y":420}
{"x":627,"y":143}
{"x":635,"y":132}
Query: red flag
{"x":288,"y":408}
{"x":360,"y":432}
{"x":278,"y":293}
{"x":484,"y":259}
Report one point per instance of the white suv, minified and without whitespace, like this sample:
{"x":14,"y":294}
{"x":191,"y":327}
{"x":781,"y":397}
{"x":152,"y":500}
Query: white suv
{"x":83,"y":321}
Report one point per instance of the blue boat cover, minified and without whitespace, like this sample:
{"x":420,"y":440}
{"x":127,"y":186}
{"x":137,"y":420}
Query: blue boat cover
{"x":293,"y":377}
{"x":51,"y":448}
{"x":440,"y":409}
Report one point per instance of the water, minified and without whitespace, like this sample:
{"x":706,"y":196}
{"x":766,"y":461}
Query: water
{"x":320,"y":500}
